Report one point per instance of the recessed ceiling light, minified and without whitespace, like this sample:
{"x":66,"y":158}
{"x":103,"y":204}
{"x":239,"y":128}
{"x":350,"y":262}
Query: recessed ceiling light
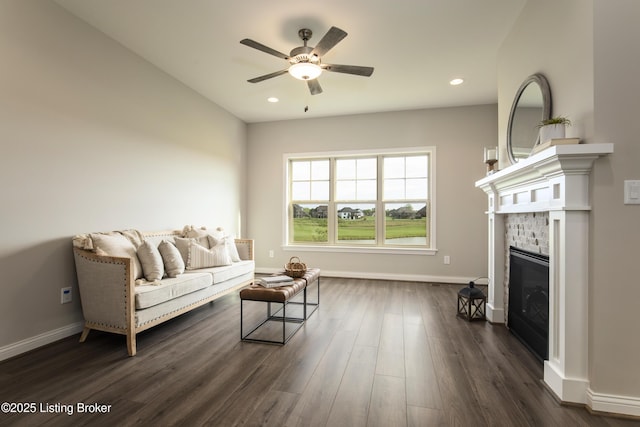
{"x":272,"y":99}
{"x":456,"y":82}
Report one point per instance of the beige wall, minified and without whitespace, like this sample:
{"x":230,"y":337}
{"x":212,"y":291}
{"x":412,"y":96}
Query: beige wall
{"x":615,"y":253}
{"x":459,"y":135}
{"x":94,"y":138}
{"x":586,"y":51}
{"x":555,"y":39}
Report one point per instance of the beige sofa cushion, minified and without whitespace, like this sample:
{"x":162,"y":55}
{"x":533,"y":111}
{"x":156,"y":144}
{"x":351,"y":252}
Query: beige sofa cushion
{"x":227,"y":272}
{"x":173,"y":262}
{"x":170,"y":288}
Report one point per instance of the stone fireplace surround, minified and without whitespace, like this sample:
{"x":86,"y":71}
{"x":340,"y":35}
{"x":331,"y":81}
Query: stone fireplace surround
{"x":554,"y":181}
{"x":528,"y":231}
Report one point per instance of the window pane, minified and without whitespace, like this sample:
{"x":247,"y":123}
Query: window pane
{"x":393,"y":189}
{"x":356,"y":223}
{"x":346,"y":190}
{"x":320,"y":170}
{"x":319,"y":190}
{"x":310,"y":180}
{"x":309,"y":223}
{"x":356,"y":179}
{"x":367,"y":169}
{"x":394,"y":167}
{"x":417,"y":167}
{"x":366,"y":190}
{"x":417,"y":188}
{"x":300,"y":170}
{"x":406,"y":224}
{"x":406,"y":177}
{"x":300,"y":191}
{"x":346,"y":169}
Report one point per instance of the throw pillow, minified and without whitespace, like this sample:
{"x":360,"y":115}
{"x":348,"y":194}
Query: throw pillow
{"x":151,"y":260}
{"x":182,"y":244}
{"x":201,"y":257}
{"x":200,"y":234}
{"x":119,"y":246}
{"x":229,"y":242}
{"x":173,"y":262}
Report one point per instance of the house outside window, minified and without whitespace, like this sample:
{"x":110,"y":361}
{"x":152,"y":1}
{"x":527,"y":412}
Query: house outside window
{"x":333,"y":200}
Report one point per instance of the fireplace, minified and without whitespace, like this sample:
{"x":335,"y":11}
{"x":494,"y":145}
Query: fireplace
{"x":528,"y":314}
{"x":554,"y":181}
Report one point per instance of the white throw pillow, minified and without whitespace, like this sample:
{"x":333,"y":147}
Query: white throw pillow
{"x":119,"y":246}
{"x":228,"y":241}
{"x":201,"y":257}
{"x":151,"y":260}
{"x":173,"y":262}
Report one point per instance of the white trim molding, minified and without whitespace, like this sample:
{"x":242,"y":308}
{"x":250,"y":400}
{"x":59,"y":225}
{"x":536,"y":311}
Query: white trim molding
{"x":555,"y":180}
{"x":40,"y":340}
{"x":611,"y":404}
{"x":456,"y":280}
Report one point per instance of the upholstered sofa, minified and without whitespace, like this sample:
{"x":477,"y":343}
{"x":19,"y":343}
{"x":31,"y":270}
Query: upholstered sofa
{"x":130,"y":281}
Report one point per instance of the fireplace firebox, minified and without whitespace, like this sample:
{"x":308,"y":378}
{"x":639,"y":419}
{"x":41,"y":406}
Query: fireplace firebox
{"x":528,"y":314}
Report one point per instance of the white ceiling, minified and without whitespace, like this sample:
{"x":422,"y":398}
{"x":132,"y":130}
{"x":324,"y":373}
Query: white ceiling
{"x":415,"y":46}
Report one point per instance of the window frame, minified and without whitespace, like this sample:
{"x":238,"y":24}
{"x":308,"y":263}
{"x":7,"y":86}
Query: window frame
{"x":332,"y":245}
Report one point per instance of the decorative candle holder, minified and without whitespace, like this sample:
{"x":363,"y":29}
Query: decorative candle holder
{"x":491,"y":158}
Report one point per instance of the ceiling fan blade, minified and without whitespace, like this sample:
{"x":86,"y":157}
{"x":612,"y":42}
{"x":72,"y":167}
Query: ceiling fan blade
{"x":267,"y":76}
{"x":314,"y":87}
{"x":333,"y":36}
{"x":349,"y":69}
{"x":254,"y":44}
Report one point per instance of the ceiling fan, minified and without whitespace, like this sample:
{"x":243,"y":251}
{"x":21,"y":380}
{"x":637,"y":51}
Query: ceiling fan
{"x":306,"y":61}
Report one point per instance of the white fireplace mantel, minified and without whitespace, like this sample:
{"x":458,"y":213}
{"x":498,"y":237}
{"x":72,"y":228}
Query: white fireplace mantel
{"x":555,"y":180}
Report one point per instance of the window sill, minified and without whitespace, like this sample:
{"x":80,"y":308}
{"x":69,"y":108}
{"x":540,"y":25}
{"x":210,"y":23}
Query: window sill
{"x":361,"y":250}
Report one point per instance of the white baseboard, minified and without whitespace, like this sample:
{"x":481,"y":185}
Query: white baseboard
{"x":45,"y":338}
{"x":459,"y":280}
{"x":569,"y":390}
{"x":495,"y":315}
{"x":607,"y":403}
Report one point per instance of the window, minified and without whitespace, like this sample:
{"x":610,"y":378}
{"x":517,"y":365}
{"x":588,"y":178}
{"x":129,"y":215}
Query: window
{"x":406,"y":184}
{"x":334,"y":200}
{"x":310,"y":190}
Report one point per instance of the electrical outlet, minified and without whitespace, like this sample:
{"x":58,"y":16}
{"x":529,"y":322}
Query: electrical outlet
{"x":447,"y":259}
{"x":65,"y":295}
{"x":271,"y":253}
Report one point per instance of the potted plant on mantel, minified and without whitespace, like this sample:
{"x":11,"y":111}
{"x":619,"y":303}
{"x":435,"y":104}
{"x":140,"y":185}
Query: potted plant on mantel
{"x":552,"y":132}
{"x":553,"y":128}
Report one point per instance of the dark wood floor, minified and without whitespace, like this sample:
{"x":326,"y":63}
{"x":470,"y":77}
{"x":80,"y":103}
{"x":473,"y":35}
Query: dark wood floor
{"x":376,"y":353}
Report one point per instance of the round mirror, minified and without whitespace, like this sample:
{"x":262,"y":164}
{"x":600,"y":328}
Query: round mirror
{"x":531,"y":105}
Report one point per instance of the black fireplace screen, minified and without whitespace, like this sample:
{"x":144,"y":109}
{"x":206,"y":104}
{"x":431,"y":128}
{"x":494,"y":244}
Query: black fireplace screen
{"x":528,"y":317}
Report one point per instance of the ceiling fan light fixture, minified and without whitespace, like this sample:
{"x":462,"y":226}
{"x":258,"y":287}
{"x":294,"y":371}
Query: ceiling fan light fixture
{"x":305,"y":71}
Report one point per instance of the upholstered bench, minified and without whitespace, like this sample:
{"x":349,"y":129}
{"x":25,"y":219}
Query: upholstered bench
{"x":282,"y":295}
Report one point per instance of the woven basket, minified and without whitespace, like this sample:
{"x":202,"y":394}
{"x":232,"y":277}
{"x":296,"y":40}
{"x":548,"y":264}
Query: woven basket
{"x":295,"y":269}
